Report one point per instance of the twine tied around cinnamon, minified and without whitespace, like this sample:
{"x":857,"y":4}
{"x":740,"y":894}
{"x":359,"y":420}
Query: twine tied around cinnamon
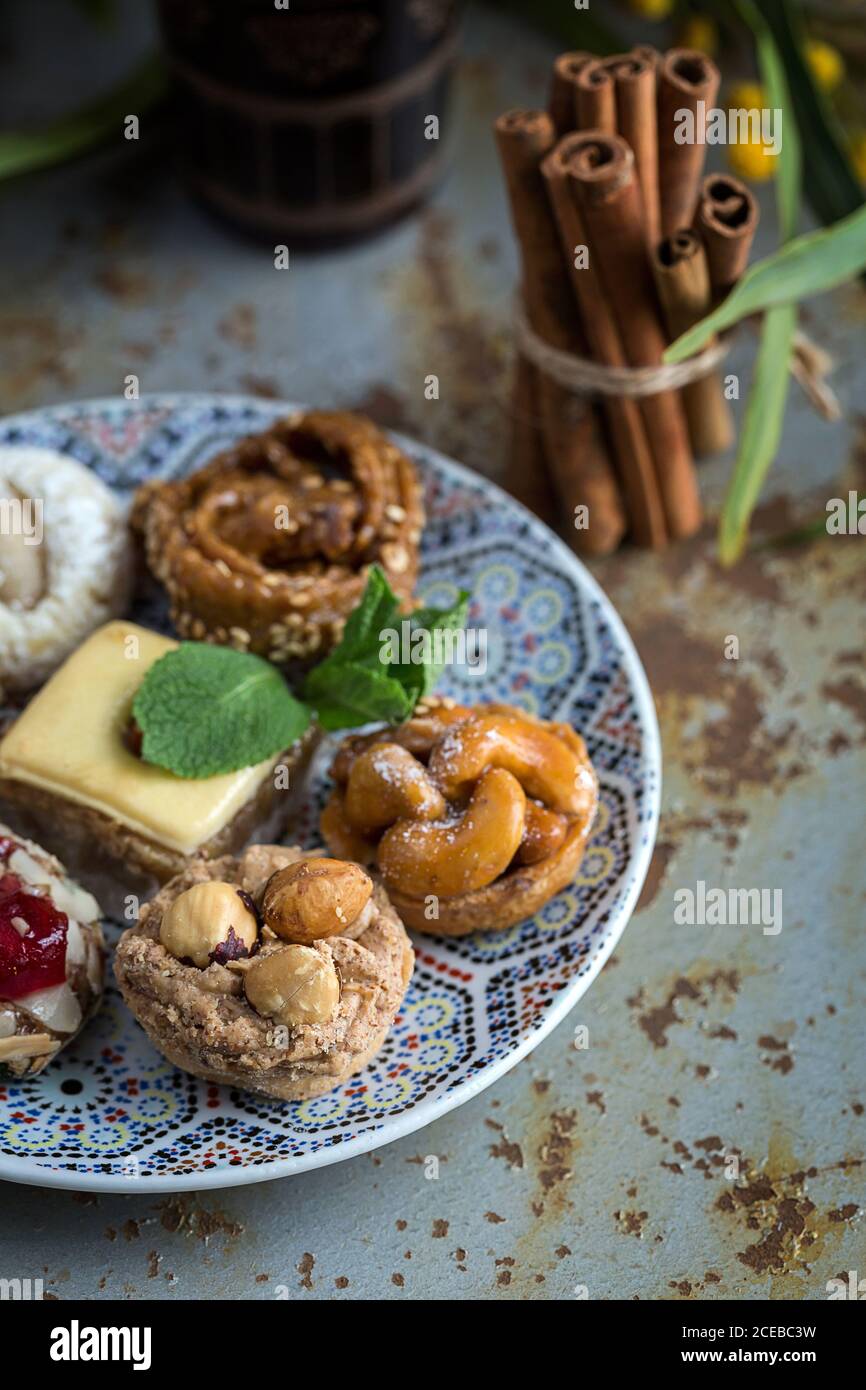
{"x":583,"y":376}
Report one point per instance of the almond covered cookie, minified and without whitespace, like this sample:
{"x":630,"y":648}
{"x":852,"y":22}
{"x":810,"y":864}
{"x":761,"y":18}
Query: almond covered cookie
{"x":279,"y":972}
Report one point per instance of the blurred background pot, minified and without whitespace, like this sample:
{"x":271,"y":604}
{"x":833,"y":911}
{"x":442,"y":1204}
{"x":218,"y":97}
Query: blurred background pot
{"x":309,"y":123}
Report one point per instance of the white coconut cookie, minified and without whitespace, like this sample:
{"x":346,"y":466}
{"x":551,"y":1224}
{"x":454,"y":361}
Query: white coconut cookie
{"x":64,"y":561}
{"x":51,"y":956}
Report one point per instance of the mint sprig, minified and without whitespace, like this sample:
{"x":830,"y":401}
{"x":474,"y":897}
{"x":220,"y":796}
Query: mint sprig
{"x":354,"y":684}
{"x":203,"y":710}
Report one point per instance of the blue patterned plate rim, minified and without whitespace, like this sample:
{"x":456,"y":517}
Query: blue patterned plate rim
{"x":28,"y":1171}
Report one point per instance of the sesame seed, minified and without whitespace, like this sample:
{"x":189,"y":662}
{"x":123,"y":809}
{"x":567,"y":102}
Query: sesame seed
{"x":396,"y":558}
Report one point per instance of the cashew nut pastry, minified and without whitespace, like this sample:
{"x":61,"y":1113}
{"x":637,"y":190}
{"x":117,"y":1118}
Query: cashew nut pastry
{"x":473,"y":817}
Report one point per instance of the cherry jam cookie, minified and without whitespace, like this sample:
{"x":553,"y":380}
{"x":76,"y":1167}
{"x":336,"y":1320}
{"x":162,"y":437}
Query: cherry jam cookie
{"x":51,"y":956}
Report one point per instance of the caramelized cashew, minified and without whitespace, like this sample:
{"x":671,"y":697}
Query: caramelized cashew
{"x":543,"y":833}
{"x":418,"y":735}
{"x":386,"y":784}
{"x":548,"y":766}
{"x":343,"y":839}
{"x":448,"y":857}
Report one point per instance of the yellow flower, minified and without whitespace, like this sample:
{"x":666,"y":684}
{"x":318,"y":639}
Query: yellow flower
{"x":750,"y":159}
{"x":700,"y":33}
{"x":756,"y":162}
{"x":858,"y":156}
{"x":826,"y":63}
{"x":747,"y":95}
{"x":652,"y":9}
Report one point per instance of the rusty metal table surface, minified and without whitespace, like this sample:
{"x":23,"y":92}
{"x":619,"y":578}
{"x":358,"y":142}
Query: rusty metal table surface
{"x":606,"y":1169}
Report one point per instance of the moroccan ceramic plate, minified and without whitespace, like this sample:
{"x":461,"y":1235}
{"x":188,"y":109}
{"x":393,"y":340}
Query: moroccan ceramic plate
{"x":110,"y":1114}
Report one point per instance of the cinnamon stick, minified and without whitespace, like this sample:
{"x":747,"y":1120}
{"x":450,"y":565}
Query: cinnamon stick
{"x":562,"y":103}
{"x":601,"y":171}
{"x":573,"y":439}
{"x":596,"y":97}
{"x":687,"y":81}
{"x":634,"y":76}
{"x":683,"y":282}
{"x":649,"y":54}
{"x":526,"y":473}
{"x":625,"y":423}
{"x":727,"y":219}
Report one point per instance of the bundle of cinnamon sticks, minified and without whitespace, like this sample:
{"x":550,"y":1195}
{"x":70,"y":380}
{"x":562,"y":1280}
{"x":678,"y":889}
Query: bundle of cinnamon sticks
{"x":624,"y":244}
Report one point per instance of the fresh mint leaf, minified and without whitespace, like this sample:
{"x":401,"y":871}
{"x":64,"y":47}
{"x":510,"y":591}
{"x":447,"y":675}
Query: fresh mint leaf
{"x":203,"y":710}
{"x":362,"y":695}
{"x":420,"y":676}
{"x":378,"y":609}
{"x":356,"y":684}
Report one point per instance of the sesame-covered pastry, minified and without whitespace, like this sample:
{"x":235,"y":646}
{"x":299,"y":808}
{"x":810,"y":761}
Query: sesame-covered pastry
{"x":268,"y":546}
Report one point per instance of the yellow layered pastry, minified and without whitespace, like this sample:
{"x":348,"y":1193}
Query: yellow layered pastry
{"x":66,"y":761}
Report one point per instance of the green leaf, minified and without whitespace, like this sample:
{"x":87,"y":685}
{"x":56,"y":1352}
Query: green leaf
{"x":762,"y":429}
{"x":24,"y":151}
{"x":204,"y":710}
{"x":762,"y":426}
{"x":378,"y":609}
{"x":356,"y":683}
{"x":830,"y":183}
{"x":810,"y":264}
{"x":361,"y":696}
{"x":359,"y":646}
{"x":420,"y":677}
{"x":790,"y":166}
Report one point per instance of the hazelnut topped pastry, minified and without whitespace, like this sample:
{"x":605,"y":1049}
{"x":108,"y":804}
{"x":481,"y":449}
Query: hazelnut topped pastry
{"x":279,"y":972}
{"x":267,"y":547}
{"x":474,"y":817}
{"x":51,"y":963}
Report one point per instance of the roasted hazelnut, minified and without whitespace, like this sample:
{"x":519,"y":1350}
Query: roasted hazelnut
{"x":209,"y":922}
{"x":315,"y":898}
{"x":293,"y":985}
